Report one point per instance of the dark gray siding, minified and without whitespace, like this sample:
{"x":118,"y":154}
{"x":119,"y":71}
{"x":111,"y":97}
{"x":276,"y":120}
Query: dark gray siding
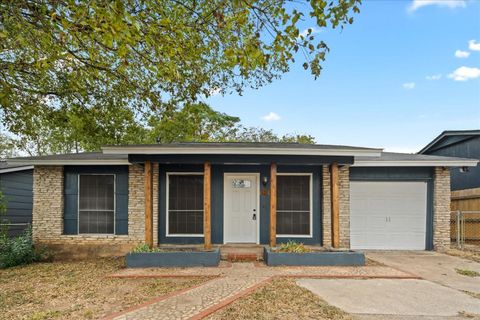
{"x":71,"y":195}
{"x":217,"y":200}
{"x":466,"y":148}
{"x":17,"y":188}
{"x":402,"y":174}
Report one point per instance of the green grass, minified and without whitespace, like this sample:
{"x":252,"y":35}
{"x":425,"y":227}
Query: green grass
{"x":468,"y":273}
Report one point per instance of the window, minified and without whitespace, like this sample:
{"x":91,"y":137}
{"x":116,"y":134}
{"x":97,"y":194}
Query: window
{"x":294,"y":205}
{"x":185,"y":204}
{"x":96,"y":204}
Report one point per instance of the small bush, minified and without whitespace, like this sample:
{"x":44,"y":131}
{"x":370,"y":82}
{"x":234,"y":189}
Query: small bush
{"x":20,"y":250}
{"x":143,"y":248}
{"x":293,"y":247}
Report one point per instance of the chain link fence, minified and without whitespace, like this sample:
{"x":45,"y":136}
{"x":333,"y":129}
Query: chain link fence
{"x":465,"y":228}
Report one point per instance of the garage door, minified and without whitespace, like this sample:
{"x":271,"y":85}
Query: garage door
{"x":388,"y":215}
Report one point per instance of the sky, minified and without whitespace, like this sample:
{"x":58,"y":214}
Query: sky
{"x":403,"y":72}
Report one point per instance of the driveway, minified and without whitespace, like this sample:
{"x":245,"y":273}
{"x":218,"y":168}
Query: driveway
{"x":439,"y":295}
{"x":432,"y":266}
{"x":392,"y":298}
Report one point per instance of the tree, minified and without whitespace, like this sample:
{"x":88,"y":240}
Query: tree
{"x":148,"y":54}
{"x":193,"y":123}
{"x":254,"y":134}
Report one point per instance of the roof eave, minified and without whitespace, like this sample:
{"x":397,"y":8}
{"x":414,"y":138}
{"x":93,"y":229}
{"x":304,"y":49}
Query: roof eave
{"x":417,"y":163}
{"x":243,"y":151}
{"x":68,"y":162}
{"x":15,"y":169}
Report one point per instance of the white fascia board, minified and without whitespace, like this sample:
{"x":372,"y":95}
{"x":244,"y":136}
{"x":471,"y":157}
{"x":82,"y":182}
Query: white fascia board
{"x":244,"y":151}
{"x":432,"y":163}
{"x":69,"y":162}
{"x":6,"y":170}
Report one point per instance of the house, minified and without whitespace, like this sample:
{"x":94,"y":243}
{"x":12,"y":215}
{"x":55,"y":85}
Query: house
{"x":261,"y":193}
{"x":458,"y":143}
{"x":16,"y":183}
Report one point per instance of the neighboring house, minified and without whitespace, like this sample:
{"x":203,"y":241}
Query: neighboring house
{"x":263,"y":193}
{"x":16,"y":184}
{"x":458,"y":143}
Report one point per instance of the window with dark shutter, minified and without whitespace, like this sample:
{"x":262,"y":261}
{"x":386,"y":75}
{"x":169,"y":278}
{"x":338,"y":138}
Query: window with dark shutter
{"x":185,"y":204}
{"x":96,"y":204}
{"x":293,"y":205}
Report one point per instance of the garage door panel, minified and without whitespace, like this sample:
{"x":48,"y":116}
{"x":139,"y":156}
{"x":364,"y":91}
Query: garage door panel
{"x":388,"y":215}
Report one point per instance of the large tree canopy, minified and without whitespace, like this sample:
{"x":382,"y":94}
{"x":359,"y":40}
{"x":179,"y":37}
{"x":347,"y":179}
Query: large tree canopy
{"x":72,"y":58}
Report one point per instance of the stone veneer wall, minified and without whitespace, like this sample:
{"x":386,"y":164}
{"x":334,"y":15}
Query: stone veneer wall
{"x":344,"y":194}
{"x":48,"y":207}
{"x":441,"y":209}
{"x":326,"y":208}
{"x":344,"y":203}
{"x":47,"y":211}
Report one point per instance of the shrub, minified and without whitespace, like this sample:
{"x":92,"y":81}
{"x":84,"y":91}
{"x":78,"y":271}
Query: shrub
{"x":293,"y":247}
{"x":143,"y":248}
{"x":20,"y":250}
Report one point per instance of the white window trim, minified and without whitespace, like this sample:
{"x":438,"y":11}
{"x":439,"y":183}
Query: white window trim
{"x":310,"y":235}
{"x":167,"y":184}
{"x":114,"y":203}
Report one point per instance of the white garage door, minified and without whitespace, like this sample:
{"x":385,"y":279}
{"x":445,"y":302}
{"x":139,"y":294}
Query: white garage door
{"x":388,"y":215}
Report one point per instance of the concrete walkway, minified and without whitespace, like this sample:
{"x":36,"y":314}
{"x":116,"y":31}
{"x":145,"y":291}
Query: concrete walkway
{"x":232,"y":282}
{"x":432,"y":266}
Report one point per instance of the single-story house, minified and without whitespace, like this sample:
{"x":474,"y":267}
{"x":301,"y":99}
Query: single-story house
{"x":458,"y":143}
{"x":260,"y":193}
{"x":16,"y":186}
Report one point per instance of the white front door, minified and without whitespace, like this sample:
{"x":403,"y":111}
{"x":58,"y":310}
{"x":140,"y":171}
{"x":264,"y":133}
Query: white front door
{"x":240,"y":208}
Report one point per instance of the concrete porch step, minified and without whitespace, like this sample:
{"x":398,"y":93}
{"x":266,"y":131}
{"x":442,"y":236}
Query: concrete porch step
{"x":235,"y":252}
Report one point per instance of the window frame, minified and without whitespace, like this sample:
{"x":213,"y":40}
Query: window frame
{"x":167,"y":194}
{"x":310,"y":176}
{"x":114,"y":203}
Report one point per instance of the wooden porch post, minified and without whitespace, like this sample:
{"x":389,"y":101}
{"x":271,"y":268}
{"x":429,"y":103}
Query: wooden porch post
{"x":273,"y":205}
{"x":335,"y":205}
{"x":207,"y":229}
{"x":148,"y":204}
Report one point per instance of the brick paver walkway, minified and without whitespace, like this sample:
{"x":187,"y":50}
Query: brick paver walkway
{"x":232,"y":282}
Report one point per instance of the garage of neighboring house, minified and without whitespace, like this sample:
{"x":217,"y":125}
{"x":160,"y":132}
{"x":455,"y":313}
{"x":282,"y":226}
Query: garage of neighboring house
{"x":16,"y":185}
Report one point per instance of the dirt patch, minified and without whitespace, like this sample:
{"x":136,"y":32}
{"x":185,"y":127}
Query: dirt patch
{"x":469,"y":252}
{"x":77,"y":290}
{"x":280,"y":299}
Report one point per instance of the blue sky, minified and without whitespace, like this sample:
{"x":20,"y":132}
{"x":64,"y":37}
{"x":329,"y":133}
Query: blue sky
{"x":401,"y":74}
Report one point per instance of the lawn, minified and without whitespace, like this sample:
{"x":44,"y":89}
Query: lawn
{"x":280,"y":299}
{"x":76,"y":290}
{"x":470,"y":252}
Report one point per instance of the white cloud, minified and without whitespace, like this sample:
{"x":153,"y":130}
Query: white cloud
{"x":464,"y":74}
{"x":462,"y":54}
{"x":271,"y":116}
{"x":416,"y":4}
{"x":409,"y":85}
{"x":434,"y":77}
{"x":304,"y":33}
{"x":474,"y":45}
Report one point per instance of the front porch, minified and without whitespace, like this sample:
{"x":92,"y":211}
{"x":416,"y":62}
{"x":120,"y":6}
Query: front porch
{"x":239,"y":203}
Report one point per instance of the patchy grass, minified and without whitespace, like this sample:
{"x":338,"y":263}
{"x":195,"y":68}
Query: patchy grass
{"x":280,"y":299}
{"x":473,"y":294}
{"x":76,"y":290}
{"x":470,"y":252}
{"x":468,"y":273}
